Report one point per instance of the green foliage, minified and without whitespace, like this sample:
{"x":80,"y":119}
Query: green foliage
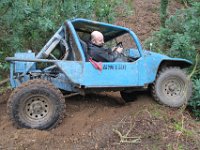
{"x":180,"y":38}
{"x":182,"y":47}
{"x":4,"y":88}
{"x":195,"y":102}
{"x":161,"y":40}
{"x":187,"y":2}
{"x":163,"y":11}
{"x":28,"y":24}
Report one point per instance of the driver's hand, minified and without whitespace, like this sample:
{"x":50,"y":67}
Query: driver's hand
{"x":119,"y":49}
{"x":114,"y":49}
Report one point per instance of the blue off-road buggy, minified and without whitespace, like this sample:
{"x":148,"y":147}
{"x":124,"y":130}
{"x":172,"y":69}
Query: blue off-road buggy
{"x":63,"y":67}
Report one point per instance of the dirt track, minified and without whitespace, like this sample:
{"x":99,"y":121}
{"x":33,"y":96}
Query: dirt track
{"x":90,"y":120}
{"x":89,"y":124}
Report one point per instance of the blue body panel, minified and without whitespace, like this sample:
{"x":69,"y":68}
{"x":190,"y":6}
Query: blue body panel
{"x":72,"y":69}
{"x":113,"y":74}
{"x":20,"y":66}
{"x":116,"y":74}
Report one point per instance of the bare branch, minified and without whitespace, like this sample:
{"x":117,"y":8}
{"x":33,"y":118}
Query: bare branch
{"x":126,"y":139}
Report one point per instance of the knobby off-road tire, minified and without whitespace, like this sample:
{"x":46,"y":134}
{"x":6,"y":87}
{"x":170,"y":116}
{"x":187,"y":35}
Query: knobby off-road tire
{"x":36,"y":104}
{"x":128,"y":96}
{"x":172,"y":87}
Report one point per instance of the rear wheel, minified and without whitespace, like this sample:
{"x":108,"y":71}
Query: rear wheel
{"x":36,"y":104}
{"x":172,"y":87}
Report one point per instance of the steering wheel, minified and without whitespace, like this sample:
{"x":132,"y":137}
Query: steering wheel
{"x":119,"y":44}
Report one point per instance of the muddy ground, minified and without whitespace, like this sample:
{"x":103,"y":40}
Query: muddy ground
{"x":92,"y":122}
{"x":97,"y":120}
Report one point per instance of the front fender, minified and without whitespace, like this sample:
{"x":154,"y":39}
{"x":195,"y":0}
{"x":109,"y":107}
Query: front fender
{"x":182,"y":63}
{"x":151,"y":63}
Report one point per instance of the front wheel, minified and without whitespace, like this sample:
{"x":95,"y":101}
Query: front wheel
{"x":172,"y":87}
{"x":36,"y":104}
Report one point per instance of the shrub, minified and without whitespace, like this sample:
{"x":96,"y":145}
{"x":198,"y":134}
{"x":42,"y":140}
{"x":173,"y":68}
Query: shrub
{"x":195,"y":102}
{"x":180,"y":38}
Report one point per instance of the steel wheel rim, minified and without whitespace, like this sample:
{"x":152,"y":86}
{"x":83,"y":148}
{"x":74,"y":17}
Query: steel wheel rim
{"x":173,"y":88}
{"x":36,"y":109}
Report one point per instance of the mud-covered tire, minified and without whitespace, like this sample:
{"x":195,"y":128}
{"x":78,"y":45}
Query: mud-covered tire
{"x":172,"y":87}
{"x":36,"y":104}
{"x":128,"y":96}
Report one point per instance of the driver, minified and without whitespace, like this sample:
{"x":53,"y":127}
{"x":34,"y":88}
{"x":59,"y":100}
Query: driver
{"x":101,"y":54}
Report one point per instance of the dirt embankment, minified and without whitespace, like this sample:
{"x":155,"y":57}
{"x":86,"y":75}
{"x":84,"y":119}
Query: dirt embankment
{"x":97,"y":120}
